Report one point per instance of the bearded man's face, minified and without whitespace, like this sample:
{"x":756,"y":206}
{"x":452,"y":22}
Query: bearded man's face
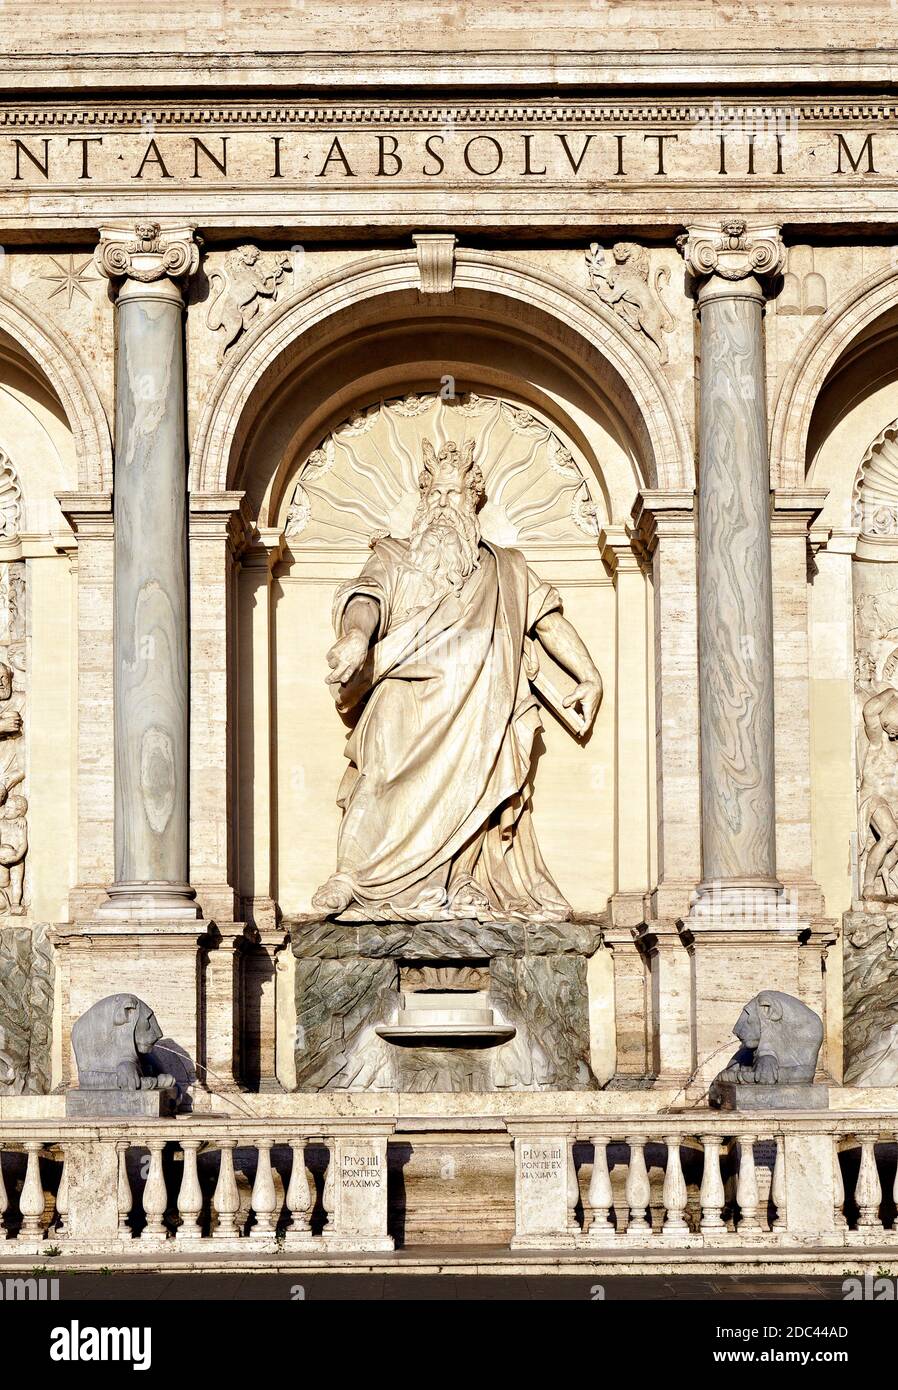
{"x":445,"y":537}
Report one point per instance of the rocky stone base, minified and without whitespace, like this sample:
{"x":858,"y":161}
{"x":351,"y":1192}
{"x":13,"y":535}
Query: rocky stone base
{"x":350,"y":977}
{"x":26,"y":1009}
{"x":870,"y":966}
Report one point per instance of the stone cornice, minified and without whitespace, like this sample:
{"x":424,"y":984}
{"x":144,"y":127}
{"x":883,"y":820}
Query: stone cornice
{"x":568,"y":66}
{"x":172,"y":114}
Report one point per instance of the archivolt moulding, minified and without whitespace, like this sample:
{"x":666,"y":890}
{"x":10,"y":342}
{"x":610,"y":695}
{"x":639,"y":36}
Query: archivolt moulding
{"x":832,"y":335}
{"x":485,"y":273}
{"x":58,"y":359}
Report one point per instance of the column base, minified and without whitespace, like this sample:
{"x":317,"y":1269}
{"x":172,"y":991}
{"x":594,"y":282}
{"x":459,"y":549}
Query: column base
{"x":143,"y":901}
{"x":733,"y":960}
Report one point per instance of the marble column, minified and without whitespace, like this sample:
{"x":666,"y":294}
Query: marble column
{"x":150,"y":633}
{"x":729,"y":266}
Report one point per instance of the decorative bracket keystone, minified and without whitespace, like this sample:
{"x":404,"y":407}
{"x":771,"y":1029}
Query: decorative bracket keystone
{"x":436,"y":261}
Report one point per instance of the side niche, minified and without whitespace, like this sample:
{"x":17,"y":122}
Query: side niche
{"x":871,"y":927}
{"x":362,"y":479}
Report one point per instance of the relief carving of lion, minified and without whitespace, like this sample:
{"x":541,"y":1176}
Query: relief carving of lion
{"x":109,"y":1041}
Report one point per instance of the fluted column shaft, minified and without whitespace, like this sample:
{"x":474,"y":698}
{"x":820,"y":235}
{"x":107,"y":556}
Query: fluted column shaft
{"x":735,"y":579}
{"x":150,"y":641}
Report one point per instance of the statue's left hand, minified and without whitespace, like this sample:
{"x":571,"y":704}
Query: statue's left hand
{"x":587,"y":696}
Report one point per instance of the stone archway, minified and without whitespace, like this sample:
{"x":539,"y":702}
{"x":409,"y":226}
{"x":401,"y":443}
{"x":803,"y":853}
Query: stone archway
{"x":833,"y":335}
{"x":500,"y":290}
{"x":59,"y":362}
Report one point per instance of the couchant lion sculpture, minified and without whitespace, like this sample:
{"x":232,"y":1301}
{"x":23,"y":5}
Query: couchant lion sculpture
{"x":781,"y":1039}
{"x":109,"y":1041}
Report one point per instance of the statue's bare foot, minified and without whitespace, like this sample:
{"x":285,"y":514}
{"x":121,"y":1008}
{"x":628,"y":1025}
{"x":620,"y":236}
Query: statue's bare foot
{"x":333,"y":896}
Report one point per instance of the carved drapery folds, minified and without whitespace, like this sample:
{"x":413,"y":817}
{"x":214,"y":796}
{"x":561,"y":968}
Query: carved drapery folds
{"x":625,"y":284}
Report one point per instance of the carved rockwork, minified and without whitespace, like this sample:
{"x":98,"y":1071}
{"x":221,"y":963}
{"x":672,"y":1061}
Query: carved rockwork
{"x":250,"y":281}
{"x":626,"y":286}
{"x":348,"y":981}
{"x":870,"y":966}
{"x":26,"y":1010}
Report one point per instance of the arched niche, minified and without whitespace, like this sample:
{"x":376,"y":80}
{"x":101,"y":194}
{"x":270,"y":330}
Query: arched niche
{"x":39,"y":457}
{"x":848,"y":458}
{"x":477,"y":375}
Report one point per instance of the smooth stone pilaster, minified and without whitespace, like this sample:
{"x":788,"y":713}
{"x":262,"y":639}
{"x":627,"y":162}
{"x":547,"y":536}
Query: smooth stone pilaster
{"x":735,"y":578}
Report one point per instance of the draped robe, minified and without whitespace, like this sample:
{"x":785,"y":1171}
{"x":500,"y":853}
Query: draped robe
{"x":436,"y":803}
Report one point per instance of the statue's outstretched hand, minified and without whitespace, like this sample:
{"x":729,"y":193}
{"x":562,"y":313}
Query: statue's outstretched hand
{"x":587,"y":696}
{"x":346,"y":658}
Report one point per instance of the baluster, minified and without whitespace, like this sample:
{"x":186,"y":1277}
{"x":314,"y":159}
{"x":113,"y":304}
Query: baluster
{"x":125,"y":1197}
{"x":868,"y":1192}
{"x":31,"y":1200}
{"x":299,"y":1191}
{"x":747,"y":1187}
{"x":839,"y":1220}
{"x":778,"y":1185}
{"x":155,"y":1197}
{"x":4,"y":1199}
{"x":674,"y":1194}
{"x":637,"y":1188}
{"x":264,"y":1197}
{"x":62,"y":1197}
{"x":573,"y":1189}
{"x":712,"y":1195}
{"x":600,"y":1195}
{"x":190,"y":1195}
{"x":226,"y":1199}
{"x":330,"y":1184}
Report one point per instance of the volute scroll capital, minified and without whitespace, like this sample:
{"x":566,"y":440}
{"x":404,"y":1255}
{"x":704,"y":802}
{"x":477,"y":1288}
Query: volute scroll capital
{"x":147,"y":253}
{"x":733,"y":251}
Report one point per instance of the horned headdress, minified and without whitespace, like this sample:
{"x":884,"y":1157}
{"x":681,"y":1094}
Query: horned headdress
{"x":454,"y":464}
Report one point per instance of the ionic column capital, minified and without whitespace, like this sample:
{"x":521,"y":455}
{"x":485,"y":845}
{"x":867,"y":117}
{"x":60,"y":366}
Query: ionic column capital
{"x":148,"y":260}
{"x":731,"y":258}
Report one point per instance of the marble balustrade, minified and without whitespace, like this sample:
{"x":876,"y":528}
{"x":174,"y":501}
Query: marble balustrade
{"x":690,"y":1182}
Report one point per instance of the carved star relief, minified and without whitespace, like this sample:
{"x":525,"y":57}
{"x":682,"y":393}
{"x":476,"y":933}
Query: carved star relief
{"x":70,"y":279}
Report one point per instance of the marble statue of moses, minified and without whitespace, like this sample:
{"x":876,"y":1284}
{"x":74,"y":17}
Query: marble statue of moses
{"x":437,"y":641}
